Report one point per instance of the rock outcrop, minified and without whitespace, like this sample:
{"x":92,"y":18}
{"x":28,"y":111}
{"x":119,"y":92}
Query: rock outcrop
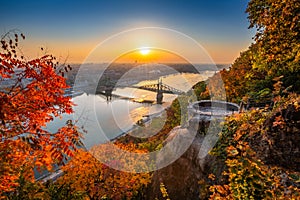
{"x":280,"y":144}
{"x":181,"y":178}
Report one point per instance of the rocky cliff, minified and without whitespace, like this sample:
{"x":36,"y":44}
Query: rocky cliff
{"x":184,"y":178}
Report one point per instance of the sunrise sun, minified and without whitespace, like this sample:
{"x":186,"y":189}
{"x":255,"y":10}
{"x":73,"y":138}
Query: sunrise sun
{"x":144,"y":51}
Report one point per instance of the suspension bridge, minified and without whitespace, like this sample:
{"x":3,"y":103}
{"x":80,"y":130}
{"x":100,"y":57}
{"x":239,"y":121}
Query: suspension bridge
{"x":158,"y":87}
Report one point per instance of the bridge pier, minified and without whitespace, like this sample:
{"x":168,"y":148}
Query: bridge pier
{"x":159,"y":97}
{"x":108,"y":94}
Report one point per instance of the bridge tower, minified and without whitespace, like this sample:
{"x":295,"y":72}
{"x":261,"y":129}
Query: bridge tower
{"x":105,"y":87}
{"x":159,"y":95}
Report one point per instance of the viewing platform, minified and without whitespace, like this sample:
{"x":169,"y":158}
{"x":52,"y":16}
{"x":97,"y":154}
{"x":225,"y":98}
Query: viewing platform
{"x":209,"y":109}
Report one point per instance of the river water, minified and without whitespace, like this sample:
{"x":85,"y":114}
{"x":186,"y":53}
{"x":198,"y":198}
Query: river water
{"x":105,"y":120}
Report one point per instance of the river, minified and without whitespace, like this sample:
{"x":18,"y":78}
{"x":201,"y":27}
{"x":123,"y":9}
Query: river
{"x":105,"y":120}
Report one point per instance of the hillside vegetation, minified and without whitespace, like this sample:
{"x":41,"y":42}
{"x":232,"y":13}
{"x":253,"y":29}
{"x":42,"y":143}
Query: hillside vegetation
{"x":258,"y":152}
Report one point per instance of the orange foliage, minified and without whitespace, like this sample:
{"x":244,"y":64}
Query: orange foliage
{"x":86,"y":174}
{"x":31,"y":95}
{"x":247,"y":143}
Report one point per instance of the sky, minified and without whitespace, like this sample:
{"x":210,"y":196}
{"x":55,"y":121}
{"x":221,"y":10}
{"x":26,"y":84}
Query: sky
{"x":71,"y":29}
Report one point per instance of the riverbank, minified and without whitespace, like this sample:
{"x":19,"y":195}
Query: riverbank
{"x":144,"y":121}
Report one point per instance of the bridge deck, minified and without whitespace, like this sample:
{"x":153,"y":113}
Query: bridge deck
{"x":164,"y":88}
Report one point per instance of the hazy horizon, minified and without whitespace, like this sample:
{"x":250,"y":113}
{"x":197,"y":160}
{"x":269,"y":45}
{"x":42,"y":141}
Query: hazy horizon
{"x":73,"y":29}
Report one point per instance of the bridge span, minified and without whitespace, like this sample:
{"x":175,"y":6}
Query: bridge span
{"x":158,"y":87}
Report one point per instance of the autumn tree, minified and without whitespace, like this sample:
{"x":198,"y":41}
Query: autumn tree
{"x":31,"y":95}
{"x":259,"y":149}
{"x":277,"y":37}
{"x":274,"y":53}
{"x":86,"y":173}
{"x":241,"y":79}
